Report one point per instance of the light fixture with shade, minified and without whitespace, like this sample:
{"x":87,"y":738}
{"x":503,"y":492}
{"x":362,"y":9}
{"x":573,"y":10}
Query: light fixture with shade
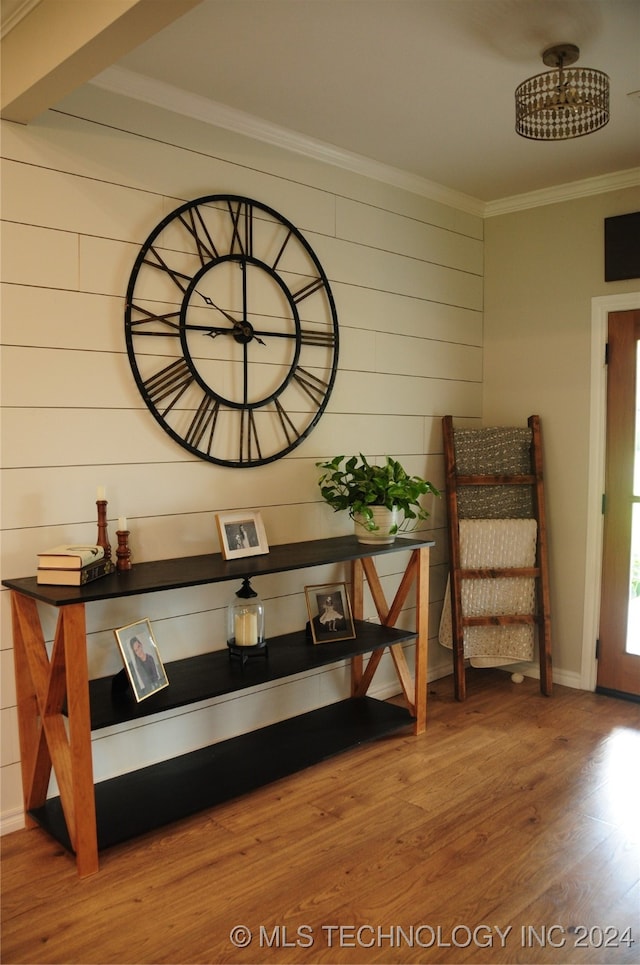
{"x":560,"y":104}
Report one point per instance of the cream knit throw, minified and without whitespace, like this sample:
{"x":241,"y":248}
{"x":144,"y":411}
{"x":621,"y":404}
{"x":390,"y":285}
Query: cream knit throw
{"x":486,"y":543}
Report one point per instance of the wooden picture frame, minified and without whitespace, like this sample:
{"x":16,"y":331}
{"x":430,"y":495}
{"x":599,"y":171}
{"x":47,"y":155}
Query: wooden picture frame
{"x":141,"y":659}
{"x":241,"y":533}
{"x":329,"y":609}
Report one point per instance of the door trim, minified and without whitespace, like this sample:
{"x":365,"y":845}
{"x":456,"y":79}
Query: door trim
{"x":601,"y":306}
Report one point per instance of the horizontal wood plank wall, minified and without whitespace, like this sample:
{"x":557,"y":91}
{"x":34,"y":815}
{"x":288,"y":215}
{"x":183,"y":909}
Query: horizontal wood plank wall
{"x":82,"y":188}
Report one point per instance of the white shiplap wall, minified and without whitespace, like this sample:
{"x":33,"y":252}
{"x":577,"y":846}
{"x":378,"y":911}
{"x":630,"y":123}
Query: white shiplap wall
{"x":81,"y":189}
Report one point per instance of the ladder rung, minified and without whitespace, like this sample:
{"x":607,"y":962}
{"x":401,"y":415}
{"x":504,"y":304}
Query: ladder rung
{"x":491,"y":573}
{"x":516,"y":480}
{"x":500,"y":620}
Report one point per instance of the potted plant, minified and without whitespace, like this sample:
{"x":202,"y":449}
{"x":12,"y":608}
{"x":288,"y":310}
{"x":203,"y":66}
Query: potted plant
{"x":382,"y":500}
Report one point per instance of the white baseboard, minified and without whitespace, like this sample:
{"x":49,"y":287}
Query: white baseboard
{"x":12,"y":821}
{"x":443,"y":668}
{"x":564,"y":678}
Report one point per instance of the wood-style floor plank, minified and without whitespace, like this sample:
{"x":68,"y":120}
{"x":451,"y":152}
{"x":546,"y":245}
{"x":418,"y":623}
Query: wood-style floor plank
{"x":508,"y":832}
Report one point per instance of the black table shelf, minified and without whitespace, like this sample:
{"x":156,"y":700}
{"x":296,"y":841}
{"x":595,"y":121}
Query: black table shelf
{"x":154,"y":796}
{"x":213,"y":674}
{"x":174,"y":574}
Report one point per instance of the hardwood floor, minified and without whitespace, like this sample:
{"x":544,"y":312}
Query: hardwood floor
{"x":509,"y":832}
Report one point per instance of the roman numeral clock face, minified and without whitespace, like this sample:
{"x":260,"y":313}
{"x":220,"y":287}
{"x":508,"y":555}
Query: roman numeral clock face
{"x":231,"y":330}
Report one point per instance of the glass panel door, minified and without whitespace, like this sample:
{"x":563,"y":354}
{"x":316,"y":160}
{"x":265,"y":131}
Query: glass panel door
{"x":633,"y":625}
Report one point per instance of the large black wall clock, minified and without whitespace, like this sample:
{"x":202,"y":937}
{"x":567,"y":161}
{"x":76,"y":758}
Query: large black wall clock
{"x":231,"y":330}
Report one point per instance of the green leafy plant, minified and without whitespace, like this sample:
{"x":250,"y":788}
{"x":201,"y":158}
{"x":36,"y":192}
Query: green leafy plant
{"x":355,"y":485}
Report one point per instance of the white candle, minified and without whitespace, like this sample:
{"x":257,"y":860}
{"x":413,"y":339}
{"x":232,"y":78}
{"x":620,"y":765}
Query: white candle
{"x":246,"y":625}
{"x":122,"y":524}
{"x":102,"y":492}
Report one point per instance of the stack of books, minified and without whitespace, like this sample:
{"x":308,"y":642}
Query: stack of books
{"x":70,"y":565}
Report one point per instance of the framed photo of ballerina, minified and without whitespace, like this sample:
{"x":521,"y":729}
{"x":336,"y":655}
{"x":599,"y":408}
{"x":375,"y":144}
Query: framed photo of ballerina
{"x":329,"y":610}
{"x":141,"y":659}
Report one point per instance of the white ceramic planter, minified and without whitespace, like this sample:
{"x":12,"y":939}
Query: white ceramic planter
{"x":385,"y":519}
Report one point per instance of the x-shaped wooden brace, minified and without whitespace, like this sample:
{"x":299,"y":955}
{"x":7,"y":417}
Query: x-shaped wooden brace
{"x":414,"y":690}
{"x":44,"y":687}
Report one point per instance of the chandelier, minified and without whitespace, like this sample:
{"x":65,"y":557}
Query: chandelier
{"x":560,"y":104}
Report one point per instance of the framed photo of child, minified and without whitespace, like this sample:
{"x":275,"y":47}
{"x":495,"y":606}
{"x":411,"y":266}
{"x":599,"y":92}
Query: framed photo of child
{"x":141,"y":659}
{"x":329,"y":610}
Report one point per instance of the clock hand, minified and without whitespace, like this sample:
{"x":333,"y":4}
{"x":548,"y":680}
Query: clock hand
{"x":249,"y":333}
{"x":244,"y":327}
{"x":212,"y":330}
{"x":210,"y":302}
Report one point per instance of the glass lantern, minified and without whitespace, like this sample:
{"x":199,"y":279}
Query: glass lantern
{"x":245,"y":624}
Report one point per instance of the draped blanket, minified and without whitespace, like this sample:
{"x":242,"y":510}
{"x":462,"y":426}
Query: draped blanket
{"x":487,"y":543}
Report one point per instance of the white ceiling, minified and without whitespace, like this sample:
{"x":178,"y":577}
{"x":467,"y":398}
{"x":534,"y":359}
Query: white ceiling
{"x":423,"y":86}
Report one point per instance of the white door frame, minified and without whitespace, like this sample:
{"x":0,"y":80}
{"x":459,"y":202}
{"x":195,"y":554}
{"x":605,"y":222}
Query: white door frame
{"x":600,"y":309}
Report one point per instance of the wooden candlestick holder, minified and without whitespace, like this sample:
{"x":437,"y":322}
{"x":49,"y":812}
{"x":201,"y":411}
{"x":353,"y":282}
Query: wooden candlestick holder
{"x":103,"y":536}
{"x":123,"y":553}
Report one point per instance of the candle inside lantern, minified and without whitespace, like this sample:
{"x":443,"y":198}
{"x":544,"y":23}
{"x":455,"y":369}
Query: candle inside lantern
{"x":102,"y":493}
{"x":122,"y":524}
{"x":245,"y":623}
{"x":246,"y":629}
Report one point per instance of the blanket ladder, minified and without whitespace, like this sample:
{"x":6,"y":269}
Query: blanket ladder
{"x":523,"y":488}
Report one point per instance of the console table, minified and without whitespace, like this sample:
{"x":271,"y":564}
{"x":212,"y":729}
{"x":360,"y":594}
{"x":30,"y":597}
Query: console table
{"x":86,"y":818}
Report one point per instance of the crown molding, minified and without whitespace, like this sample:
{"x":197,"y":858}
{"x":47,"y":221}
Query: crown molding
{"x":119,"y":80}
{"x":564,"y":192}
{"x":13,"y":11}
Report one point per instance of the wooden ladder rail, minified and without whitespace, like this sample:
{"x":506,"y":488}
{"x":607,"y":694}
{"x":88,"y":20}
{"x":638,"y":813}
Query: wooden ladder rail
{"x":455,"y":579}
{"x":542,"y":559}
{"x":540,"y":572}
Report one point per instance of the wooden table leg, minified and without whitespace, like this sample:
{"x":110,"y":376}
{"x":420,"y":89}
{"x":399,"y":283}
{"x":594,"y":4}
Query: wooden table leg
{"x":43,"y":684}
{"x":415,"y":690}
{"x":421,"y":557}
{"x":84,"y":802}
{"x":357,"y":604}
{"x":29,"y":729}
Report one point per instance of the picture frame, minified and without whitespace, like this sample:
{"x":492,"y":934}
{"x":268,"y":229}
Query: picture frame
{"x":241,"y":533}
{"x":329,"y":608}
{"x":141,"y":659}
